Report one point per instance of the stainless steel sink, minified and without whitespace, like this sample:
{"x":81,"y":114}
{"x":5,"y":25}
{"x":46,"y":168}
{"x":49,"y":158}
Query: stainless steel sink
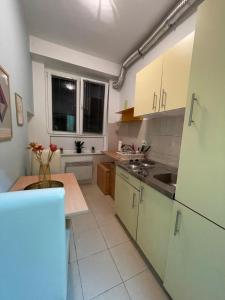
{"x":167,"y":178}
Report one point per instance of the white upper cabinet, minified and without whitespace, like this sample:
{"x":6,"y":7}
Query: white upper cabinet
{"x":176,"y":70}
{"x":148,"y":87}
{"x":163,"y":85}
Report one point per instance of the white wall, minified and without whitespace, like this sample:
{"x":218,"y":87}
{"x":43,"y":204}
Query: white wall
{"x":15,"y":59}
{"x":67,"y":55}
{"x":128,"y":90}
{"x":37,"y":129}
{"x":38,"y":123}
{"x":114,"y":104}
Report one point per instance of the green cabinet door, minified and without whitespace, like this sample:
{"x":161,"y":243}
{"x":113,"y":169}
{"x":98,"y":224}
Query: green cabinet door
{"x":126,"y":202}
{"x":196,"y":257}
{"x":201,"y":175}
{"x":155,"y":213}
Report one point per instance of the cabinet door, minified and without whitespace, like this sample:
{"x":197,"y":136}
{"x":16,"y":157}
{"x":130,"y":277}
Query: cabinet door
{"x":148,"y":86}
{"x":126,"y":201}
{"x":196,"y":258}
{"x":155,"y":212}
{"x":176,"y":71}
{"x":201,"y":175}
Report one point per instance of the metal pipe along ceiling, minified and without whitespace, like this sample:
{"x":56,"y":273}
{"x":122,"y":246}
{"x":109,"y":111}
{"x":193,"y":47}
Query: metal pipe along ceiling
{"x":178,"y":11}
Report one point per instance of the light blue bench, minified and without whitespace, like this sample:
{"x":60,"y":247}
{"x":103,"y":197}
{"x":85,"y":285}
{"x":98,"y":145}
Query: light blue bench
{"x":33,"y":245}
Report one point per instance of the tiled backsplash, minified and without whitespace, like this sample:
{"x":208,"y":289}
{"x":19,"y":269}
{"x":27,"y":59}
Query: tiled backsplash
{"x":163,"y":134}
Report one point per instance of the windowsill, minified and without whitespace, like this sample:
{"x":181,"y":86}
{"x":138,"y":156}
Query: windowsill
{"x":74,"y":153}
{"x":65,"y":134}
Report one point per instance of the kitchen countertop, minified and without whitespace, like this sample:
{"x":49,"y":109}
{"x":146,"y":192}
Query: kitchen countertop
{"x":120,"y":157}
{"x":113,"y":155}
{"x":158,"y":168}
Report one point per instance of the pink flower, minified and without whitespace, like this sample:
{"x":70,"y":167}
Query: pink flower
{"x":53,"y":147}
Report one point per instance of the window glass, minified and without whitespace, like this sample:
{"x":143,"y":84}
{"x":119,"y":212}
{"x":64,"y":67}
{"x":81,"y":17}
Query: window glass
{"x":93,"y":107}
{"x":64,"y":106}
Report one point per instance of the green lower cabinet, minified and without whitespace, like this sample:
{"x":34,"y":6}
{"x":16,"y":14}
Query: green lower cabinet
{"x":154,"y":220}
{"x":196,"y":257}
{"x":126,"y":202}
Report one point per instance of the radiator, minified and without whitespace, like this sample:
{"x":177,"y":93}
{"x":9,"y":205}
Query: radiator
{"x":83,"y":170}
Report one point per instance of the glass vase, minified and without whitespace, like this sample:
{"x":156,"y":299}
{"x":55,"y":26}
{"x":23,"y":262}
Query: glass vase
{"x":44,"y":172}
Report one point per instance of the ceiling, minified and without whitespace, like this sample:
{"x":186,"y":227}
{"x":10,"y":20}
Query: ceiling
{"x":109,"y":29}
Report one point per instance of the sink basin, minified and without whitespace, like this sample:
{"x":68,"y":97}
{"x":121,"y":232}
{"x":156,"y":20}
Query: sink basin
{"x":168,"y":178}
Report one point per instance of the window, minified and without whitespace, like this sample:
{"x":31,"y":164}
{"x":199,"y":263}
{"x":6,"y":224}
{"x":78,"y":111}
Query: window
{"x":64,"y":110}
{"x":93,"y":107}
{"x":76,"y":105}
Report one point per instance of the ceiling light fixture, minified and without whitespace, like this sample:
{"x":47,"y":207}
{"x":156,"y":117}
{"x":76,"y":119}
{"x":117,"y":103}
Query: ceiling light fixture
{"x":103,"y":10}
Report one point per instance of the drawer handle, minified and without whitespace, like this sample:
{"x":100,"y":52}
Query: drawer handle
{"x":154,"y":105}
{"x":141,"y":194}
{"x":164,"y":98}
{"x":133,"y":202}
{"x":193,"y":100}
{"x":177,"y":223}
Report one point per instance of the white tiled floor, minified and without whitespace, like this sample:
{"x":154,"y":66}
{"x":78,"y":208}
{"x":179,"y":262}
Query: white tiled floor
{"x":104,"y":264}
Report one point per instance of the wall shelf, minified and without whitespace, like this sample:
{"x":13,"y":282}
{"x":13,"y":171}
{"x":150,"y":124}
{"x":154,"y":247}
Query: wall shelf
{"x":127,"y":115}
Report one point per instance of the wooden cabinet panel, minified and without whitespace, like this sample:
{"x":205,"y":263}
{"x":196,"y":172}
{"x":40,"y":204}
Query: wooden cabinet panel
{"x":196,"y":258}
{"x":155,"y":213}
{"x":148,"y":86}
{"x":176,"y":71}
{"x":201,"y":172}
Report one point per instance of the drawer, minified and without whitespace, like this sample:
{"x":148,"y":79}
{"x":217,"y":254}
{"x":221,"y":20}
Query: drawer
{"x":128,"y":177}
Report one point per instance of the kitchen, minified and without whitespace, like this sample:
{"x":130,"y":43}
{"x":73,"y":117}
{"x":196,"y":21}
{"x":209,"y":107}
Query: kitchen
{"x":145,"y":142}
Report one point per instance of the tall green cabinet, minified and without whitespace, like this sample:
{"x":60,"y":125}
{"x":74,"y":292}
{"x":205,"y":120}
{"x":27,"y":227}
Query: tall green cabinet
{"x":196,"y":260}
{"x":201,"y":176}
{"x":196,"y":256}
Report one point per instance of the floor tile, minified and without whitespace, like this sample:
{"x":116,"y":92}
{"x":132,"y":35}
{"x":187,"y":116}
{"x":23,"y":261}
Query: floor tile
{"x":89,"y":242}
{"x":72,"y":250}
{"x":83,"y":223}
{"x":117,"y":293}
{"x":114,"y":234}
{"x":104,"y":216}
{"x":145,"y":287}
{"x":74,"y":290}
{"x":128,"y":260}
{"x":98,"y":274}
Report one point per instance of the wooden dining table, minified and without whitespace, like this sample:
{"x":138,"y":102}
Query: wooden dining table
{"x":74,"y":200}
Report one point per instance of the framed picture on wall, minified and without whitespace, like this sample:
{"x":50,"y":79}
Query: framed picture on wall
{"x":19,"y":109}
{"x":5,"y":107}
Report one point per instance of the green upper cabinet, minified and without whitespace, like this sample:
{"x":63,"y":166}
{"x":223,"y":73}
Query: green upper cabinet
{"x":201,"y":176}
{"x":155,"y":214}
{"x":196,"y":257}
{"x":126,"y":202}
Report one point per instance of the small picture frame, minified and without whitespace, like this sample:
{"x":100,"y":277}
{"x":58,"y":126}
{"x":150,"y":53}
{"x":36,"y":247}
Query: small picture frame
{"x":5,"y":107}
{"x":19,"y":109}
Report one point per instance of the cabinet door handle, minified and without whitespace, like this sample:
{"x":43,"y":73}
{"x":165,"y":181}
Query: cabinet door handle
{"x":164,"y":98}
{"x":141,"y":194}
{"x":133,"y":202}
{"x":177,"y":223}
{"x":154,"y":105}
{"x":193,"y":100}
